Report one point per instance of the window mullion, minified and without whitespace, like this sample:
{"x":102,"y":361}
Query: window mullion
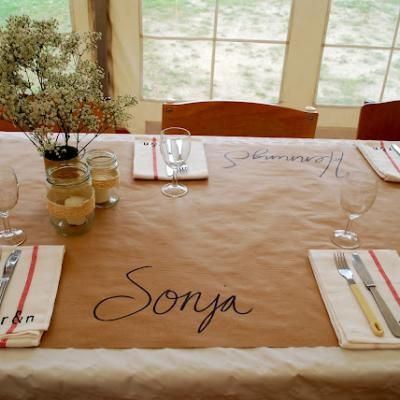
{"x":304,"y":52}
{"x":214,"y":45}
{"x":390,"y":58}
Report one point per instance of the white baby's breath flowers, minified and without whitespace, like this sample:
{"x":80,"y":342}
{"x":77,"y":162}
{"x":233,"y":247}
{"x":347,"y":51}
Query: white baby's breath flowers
{"x":50,"y":88}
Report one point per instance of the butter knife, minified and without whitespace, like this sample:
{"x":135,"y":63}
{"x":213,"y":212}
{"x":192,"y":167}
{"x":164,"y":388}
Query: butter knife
{"x":9,"y":268}
{"x":369,"y":283}
{"x":396,"y":148}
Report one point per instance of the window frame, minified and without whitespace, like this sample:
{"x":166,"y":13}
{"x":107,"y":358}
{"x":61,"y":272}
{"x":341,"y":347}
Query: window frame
{"x":214,"y":39}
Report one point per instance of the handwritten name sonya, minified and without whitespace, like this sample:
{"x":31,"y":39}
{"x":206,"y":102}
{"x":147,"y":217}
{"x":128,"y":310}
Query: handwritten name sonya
{"x":167,"y":301}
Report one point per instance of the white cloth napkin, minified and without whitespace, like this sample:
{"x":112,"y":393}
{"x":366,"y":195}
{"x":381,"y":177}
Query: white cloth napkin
{"x":351,"y":326}
{"x":148,"y":162}
{"x":27,"y":306}
{"x":381,"y":157}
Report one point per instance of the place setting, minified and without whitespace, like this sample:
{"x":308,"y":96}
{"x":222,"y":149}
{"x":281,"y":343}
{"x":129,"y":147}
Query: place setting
{"x":174,"y":155}
{"x":384,"y":158}
{"x":28,"y":287}
{"x":29,"y":276}
{"x":360,"y":287}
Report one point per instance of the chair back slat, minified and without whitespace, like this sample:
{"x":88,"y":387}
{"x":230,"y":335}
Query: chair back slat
{"x":6,"y":126}
{"x":231,"y":118}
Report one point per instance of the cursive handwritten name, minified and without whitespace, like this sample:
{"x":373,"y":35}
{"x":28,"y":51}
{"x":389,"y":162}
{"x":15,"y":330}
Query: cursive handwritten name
{"x":167,"y":301}
{"x":326,"y":161}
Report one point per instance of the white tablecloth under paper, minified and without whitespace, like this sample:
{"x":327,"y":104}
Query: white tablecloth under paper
{"x":253,"y":374}
{"x":215,"y":373}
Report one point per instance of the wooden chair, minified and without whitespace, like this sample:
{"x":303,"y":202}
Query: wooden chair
{"x":233,"y":118}
{"x":379,"y":121}
{"x":7,"y":126}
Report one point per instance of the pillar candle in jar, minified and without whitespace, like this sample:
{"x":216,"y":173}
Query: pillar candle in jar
{"x":102,"y":194}
{"x":75,"y":201}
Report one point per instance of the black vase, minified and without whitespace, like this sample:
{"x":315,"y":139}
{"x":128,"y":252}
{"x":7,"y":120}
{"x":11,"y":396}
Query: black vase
{"x":60,"y":155}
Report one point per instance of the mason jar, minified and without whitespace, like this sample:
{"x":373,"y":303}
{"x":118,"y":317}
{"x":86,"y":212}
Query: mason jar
{"x":70,"y":198}
{"x":104,"y":170}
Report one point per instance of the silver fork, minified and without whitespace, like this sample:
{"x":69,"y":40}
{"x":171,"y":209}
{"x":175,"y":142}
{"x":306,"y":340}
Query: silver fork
{"x":183,"y":169}
{"x":347,"y":273}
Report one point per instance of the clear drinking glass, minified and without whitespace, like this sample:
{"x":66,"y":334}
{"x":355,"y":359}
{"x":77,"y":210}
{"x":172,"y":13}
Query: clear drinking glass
{"x":175,"y":150}
{"x":8,"y":200}
{"x":357,"y":194}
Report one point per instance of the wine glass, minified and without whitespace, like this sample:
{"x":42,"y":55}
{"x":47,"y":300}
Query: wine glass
{"x":175,"y":150}
{"x":8,"y":200}
{"x":357,"y":194}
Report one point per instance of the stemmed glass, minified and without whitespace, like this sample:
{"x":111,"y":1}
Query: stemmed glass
{"x":175,"y":150}
{"x":357,"y":194}
{"x":8,"y":200}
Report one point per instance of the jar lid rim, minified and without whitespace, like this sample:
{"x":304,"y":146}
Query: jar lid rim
{"x":100,"y":157}
{"x":79,"y":166}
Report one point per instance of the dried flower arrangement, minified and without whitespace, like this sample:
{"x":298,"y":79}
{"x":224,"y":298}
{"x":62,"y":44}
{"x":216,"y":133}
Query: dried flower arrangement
{"x":51,"y":90}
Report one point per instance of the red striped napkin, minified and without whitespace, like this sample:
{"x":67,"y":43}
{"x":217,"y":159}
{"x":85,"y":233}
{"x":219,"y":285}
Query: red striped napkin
{"x":26,"y":310}
{"x":149,"y":164}
{"x":381,"y":157}
{"x":349,"y":323}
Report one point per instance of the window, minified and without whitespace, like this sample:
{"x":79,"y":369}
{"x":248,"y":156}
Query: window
{"x":202,"y":49}
{"x":361,"y":58}
{"x":38,"y":9}
{"x":205,"y":49}
{"x":209,"y":49}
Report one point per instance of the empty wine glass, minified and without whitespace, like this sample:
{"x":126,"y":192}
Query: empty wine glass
{"x":175,"y":150}
{"x":357,"y":194}
{"x":8,"y":200}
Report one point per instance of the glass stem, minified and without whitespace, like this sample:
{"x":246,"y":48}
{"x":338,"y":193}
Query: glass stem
{"x":349,"y":220}
{"x":174,"y":176}
{"x":6,"y":221}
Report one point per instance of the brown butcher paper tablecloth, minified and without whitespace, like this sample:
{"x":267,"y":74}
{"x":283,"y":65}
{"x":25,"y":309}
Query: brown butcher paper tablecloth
{"x":224,"y":266}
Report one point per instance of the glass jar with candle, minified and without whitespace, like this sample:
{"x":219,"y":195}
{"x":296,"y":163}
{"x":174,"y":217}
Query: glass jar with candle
{"x":103,"y":166}
{"x":70,"y":198}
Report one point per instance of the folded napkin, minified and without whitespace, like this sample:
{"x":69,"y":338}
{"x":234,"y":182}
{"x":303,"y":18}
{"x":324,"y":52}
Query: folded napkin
{"x":351,"y":326}
{"x":384,"y":160}
{"x":27,"y":306}
{"x":149,"y":164}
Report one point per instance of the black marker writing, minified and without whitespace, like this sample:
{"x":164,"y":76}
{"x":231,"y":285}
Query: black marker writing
{"x":167,"y":301}
{"x":234,"y":157}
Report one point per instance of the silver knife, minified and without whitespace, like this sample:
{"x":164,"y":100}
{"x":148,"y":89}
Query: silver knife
{"x":365,"y":276}
{"x":9,"y":268}
{"x":396,"y":149}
